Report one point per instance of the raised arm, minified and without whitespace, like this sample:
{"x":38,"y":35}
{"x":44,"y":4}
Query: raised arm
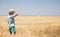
{"x":16,"y":13}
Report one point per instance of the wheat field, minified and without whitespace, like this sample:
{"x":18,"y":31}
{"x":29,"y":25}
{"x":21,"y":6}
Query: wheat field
{"x":32,"y":26}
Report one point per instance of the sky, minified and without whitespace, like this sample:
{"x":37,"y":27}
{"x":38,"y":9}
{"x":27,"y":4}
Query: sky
{"x":31,"y":7}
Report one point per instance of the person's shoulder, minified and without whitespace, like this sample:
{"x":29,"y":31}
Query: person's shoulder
{"x":11,"y":16}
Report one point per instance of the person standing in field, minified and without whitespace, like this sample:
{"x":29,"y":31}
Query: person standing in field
{"x":11,"y":22}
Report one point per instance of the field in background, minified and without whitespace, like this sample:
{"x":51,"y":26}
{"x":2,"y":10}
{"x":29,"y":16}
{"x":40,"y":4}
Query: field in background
{"x":32,"y":26}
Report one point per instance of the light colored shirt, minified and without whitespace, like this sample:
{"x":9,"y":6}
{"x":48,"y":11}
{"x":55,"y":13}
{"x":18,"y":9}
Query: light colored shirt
{"x":11,"y":20}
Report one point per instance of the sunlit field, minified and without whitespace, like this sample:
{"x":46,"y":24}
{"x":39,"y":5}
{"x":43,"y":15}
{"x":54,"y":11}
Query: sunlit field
{"x":32,"y":26}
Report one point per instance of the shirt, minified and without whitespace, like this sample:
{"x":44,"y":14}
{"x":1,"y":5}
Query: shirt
{"x":11,"y":20}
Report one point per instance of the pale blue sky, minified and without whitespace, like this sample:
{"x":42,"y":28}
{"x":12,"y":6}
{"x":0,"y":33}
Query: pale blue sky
{"x":31,"y":7}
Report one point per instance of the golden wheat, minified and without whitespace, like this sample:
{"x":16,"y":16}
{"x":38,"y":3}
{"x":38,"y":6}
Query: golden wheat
{"x":32,"y":26}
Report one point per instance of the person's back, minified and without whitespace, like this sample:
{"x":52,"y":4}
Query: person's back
{"x":11,"y":22}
